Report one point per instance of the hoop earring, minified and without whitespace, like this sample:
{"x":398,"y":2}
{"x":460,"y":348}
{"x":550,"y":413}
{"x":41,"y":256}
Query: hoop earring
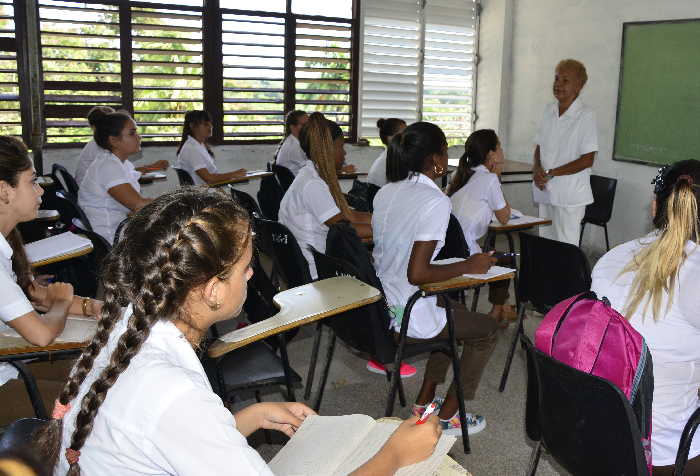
{"x":438,"y":172}
{"x":215,"y":306}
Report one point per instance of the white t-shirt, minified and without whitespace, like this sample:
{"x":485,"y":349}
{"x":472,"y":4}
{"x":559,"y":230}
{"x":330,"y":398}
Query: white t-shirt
{"x":194,"y":156}
{"x":87,"y":156}
{"x":104,"y":212}
{"x":673,"y":339}
{"x":161,"y":417}
{"x":377,"y":172}
{"x":304,"y":210}
{"x":563,"y":139}
{"x":475,"y":203}
{"x":14,"y":301}
{"x":411,"y":210}
{"x":291,"y":155}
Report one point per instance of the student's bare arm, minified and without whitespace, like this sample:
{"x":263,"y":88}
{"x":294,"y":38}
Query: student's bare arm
{"x":422,"y":271}
{"x":126,"y":195}
{"x":362,"y":228}
{"x":209,"y":177}
{"x":582,"y":163}
{"x":42,"y":330}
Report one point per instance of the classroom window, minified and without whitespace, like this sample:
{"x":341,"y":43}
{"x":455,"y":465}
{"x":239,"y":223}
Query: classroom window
{"x":10,"y":110}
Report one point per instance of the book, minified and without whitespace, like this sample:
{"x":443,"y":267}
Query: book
{"x":338,"y":445}
{"x":54,"y":246}
{"x":491,"y":273}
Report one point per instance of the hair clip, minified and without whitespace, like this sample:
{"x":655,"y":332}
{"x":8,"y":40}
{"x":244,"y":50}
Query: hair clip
{"x":687,"y":178}
{"x":659,"y":181}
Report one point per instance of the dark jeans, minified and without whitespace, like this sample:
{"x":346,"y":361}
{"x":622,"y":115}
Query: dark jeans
{"x":498,"y":291}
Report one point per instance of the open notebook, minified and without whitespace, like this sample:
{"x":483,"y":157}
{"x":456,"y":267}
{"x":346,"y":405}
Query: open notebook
{"x":492,"y":272}
{"x":58,"y":245}
{"x":337,"y":445}
{"x":78,"y":329}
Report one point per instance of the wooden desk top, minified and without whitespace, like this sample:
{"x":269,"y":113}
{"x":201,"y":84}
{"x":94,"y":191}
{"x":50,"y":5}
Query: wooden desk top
{"x":510,"y":167}
{"x":77,"y":333}
{"x":64,"y":257}
{"x":462,"y":282}
{"x":299,"y":306}
{"x":47,"y":216}
{"x":519,"y":226}
{"x":252,"y":175}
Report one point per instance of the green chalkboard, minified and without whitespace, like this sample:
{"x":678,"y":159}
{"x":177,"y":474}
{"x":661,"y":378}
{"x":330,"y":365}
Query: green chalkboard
{"x":658,"y":106}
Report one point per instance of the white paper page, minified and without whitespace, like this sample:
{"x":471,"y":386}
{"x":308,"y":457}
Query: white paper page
{"x":253,"y":173}
{"x":320,"y":444}
{"x":378,"y":436}
{"x":53,"y":246}
{"x":78,"y":329}
{"x":154,"y":175}
{"x":522,"y":220}
{"x":540,"y":196}
{"x":47,"y":214}
{"x":492,"y":272}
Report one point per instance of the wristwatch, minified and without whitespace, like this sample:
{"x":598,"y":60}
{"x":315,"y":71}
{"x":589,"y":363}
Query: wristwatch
{"x":548,"y":174}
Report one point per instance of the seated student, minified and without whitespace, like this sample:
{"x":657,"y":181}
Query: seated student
{"x":314,"y":200}
{"x":138,"y":400}
{"x":110,"y":189}
{"x":387,"y":129}
{"x":92,"y":150}
{"x":409,"y":224}
{"x":20,"y":197}
{"x":477,"y":197}
{"x":194,"y":156}
{"x":289,"y":154}
{"x":653,"y":282}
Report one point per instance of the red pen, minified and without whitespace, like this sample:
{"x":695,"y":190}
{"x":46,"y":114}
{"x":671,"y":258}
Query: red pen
{"x":430,"y":409}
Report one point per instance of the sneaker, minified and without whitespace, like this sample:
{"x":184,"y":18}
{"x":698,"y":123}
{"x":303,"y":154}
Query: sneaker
{"x":406,"y":369}
{"x":475,"y":423}
{"x":417,"y":410}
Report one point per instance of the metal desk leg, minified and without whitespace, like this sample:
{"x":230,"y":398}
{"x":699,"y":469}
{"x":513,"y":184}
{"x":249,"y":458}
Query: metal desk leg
{"x":457,"y":375}
{"x":32,"y":389}
{"x":511,"y":249}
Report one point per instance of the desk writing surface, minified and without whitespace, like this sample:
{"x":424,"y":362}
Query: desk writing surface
{"x":495,"y":273}
{"x":299,"y":306}
{"x":78,"y":331}
{"x":520,"y":223}
{"x":510,"y":167}
{"x":250,"y":175}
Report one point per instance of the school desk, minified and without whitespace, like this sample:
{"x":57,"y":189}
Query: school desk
{"x":63,"y":257}
{"x":511,"y":169}
{"x":350,"y":175}
{"x":251,"y":175}
{"x":47,"y":216}
{"x":459,"y":283}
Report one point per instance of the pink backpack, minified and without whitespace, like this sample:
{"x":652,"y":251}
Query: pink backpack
{"x":589,"y":335}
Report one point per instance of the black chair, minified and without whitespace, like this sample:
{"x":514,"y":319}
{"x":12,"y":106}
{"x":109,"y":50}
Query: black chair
{"x":61,"y":175}
{"x":600,"y":211}
{"x":184,"y":177}
{"x":247,"y":202}
{"x":270,"y":196}
{"x":67,"y":206}
{"x":550,"y":271}
{"x":18,"y":438}
{"x":287,"y":258}
{"x":361,"y":196}
{"x":585,"y":422}
{"x":686,"y":440}
{"x":284,"y":176}
{"x":455,"y":244}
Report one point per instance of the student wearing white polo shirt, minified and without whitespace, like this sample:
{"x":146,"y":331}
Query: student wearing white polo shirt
{"x":314,"y":200}
{"x":290,"y":154}
{"x":387,"y":129}
{"x":409,"y":224}
{"x":565,"y":147}
{"x":477,"y":198}
{"x":110,"y":189}
{"x":194,"y":156}
{"x":653,"y":282}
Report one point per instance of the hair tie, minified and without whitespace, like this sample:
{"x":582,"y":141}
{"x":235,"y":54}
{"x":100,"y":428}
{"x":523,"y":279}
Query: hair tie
{"x":72,"y":456}
{"x":59,"y":410}
{"x":685,"y":177}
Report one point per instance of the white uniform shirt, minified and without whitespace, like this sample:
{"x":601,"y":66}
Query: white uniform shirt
{"x":194,"y":156}
{"x":304,"y":210}
{"x":411,"y":210}
{"x":104,"y":212}
{"x":563,"y":139}
{"x":377,"y":172}
{"x":14,"y":301}
{"x":87,"y":156}
{"x":673,"y":339}
{"x":291,"y":155}
{"x":475,"y":203}
{"x":161,"y":417}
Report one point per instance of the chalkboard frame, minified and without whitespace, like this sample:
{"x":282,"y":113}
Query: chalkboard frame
{"x":625,"y":25}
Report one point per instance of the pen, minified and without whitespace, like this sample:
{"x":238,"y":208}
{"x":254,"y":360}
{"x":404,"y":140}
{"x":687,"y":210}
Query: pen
{"x":430,"y":409}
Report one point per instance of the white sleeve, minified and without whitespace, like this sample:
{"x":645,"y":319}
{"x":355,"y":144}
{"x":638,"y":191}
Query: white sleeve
{"x":197,"y":435}
{"x":318,"y":200}
{"x":14,"y":301}
{"x":193,"y":158}
{"x":113,"y":173}
{"x":495,"y":197}
{"x":589,"y":134}
{"x":433,"y":220}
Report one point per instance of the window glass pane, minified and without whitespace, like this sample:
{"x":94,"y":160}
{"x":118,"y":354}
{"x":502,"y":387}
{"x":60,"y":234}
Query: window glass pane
{"x":332,"y":8}
{"x":10,"y":122}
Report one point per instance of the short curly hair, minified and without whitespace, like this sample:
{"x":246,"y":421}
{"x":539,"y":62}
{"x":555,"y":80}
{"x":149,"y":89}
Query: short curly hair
{"x":575,"y":66}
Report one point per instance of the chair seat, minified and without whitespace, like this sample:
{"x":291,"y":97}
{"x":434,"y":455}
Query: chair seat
{"x":18,"y":436}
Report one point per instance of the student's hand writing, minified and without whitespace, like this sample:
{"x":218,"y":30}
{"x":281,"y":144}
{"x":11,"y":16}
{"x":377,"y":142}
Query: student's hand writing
{"x":59,"y":293}
{"x":239,"y":173}
{"x":38,"y":295}
{"x":480,"y":263}
{"x":412,"y":443}
{"x":44,"y":279}
{"x":285,"y":417}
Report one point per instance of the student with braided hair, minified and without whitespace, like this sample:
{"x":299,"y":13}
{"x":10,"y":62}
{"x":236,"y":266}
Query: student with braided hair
{"x":314,"y":200}
{"x":653,"y":281}
{"x":138,"y":400}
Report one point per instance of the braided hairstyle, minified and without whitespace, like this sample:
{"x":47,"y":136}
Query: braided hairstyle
{"x":476,"y":152}
{"x":192,"y":118}
{"x":173,"y":245}
{"x":409,"y":150}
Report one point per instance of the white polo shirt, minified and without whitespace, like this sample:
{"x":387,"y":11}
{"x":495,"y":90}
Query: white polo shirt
{"x":104,"y":212}
{"x":194,"y":156}
{"x":673,"y":339}
{"x":475,"y":203}
{"x":14,"y":301}
{"x":377,"y":173}
{"x":87,"y":156}
{"x":563,"y":139}
{"x":291,"y":155}
{"x":304,"y":210}
{"x":411,"y":210}
{"x":161,"y":417}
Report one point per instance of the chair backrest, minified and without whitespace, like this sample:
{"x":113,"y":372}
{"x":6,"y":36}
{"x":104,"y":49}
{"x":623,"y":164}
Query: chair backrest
{"x":455,"y":243}
{"x":284,"y":176}
{"x":585,"y":422}
{"x":286,"y":253}
{"x":550,"y":271}
{"x":361,"y":195}
{"x":184,"y":177}
{"x":270,"y":196}
{"x":600,"y":211}
{"x":247,"y":202}
{"x":68,"y":208}
{"x":18,"y":437}
{"x":61,"y":174}
{"x":684,"y":445}
{"x":86,"y":270}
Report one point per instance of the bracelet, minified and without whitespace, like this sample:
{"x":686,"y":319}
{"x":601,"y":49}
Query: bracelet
{"x":86,"y":303}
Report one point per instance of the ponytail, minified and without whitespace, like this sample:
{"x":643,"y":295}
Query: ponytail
{"x":388,"y":128}
{"x":408,"y":150}
{"x":110,"y":125}
{"x":476,"y":152}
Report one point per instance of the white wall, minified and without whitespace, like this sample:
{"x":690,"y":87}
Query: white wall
{"x":546,"y":31}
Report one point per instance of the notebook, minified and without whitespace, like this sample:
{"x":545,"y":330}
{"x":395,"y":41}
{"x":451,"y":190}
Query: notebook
{"x":54,"y":246}
{"x":338,"y":445}
{"x":492,"y":272}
